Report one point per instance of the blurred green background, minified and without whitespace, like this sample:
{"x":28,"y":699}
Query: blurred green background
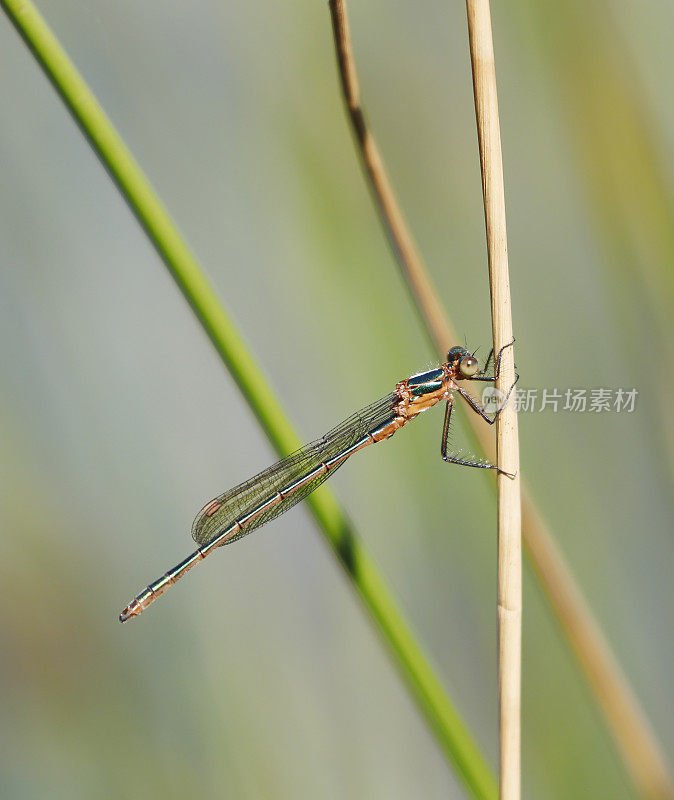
{"x":259,"y":676}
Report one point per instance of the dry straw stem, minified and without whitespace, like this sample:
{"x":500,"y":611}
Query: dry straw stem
{"x":626,"y":721}
{"x":507,"y":445}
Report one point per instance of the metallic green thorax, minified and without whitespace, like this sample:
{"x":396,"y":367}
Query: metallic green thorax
{"x":426,"y":388}
{"x":426,"y":377}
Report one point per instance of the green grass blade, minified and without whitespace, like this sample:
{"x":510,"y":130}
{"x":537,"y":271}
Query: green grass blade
{"x":449,"y":729}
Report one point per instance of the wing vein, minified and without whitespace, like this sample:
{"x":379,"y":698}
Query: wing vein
{"x":249,"y":495}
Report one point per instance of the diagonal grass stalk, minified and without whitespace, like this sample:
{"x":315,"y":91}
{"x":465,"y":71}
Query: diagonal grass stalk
{"x":424,"y":686}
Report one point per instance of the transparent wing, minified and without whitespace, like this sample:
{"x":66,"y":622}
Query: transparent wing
{"x":247,"y":496}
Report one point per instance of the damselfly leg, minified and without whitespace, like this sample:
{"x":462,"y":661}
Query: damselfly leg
{"x":497,"y":367}
{"x":476,"y":462}
{"x":451,"y":458}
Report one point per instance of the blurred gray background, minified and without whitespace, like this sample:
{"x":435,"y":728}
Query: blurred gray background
{"x":260,"y":676}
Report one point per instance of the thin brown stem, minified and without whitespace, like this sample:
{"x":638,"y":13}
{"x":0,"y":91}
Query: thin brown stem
{"x":625,"y":719}
{"x":627,"y":722}
{"x":392,"y":217}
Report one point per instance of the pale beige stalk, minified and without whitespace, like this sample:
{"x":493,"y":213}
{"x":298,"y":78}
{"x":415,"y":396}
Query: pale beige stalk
{"x":507,"y":447}
{"x":625,"y":719}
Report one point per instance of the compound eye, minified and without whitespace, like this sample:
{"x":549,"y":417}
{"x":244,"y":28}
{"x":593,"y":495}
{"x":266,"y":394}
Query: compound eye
{"x":468,"y":366}
{"x":454,"y":353}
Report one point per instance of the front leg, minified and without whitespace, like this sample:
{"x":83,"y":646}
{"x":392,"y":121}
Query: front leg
{"x":488,"y":361}
{"x":492,"y":379}
{"x":476,"y":408}
{"x":497,"y":367}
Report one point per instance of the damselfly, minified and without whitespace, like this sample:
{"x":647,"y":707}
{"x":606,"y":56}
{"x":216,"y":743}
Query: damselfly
{"x":271,"y":493}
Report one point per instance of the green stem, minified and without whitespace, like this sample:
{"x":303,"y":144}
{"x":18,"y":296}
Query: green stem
{"x":420,"y":678}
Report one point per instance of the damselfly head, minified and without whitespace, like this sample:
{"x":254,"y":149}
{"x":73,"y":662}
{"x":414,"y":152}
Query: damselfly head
{"x":466,"y":363}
